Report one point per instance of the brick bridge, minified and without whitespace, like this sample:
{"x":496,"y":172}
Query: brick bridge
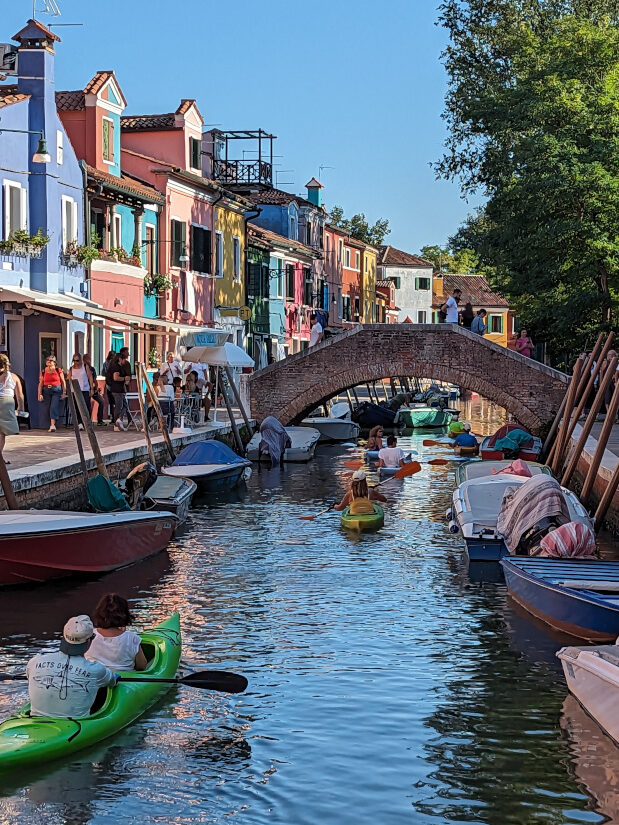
{"x":289,"y":389}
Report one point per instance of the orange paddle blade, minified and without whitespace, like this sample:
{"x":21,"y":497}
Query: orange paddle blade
{"x":427,"y":442}
{"x":408,"y":470}
{"x":308,"y":518}
{"x":354,"y":465}
{"x":438,"y":461}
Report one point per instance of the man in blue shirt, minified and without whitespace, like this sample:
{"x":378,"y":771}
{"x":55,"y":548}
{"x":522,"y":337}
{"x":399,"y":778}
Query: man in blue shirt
{"x":465,"y":439}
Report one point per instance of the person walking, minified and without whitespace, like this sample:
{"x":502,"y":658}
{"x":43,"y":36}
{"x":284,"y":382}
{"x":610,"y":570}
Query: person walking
{"x":523,"y":344}
{"x":83,"y":376}
{"x":450,"y":307}
{"x":467,"y":316}
{"x":52,"y":389}
{"x":108,"y":390}
{"x":10,"y":392}
{"x":316,"y":330}
{"x":96,"y":393}
{"x":119,"y":377}
{"x":478,"y":326}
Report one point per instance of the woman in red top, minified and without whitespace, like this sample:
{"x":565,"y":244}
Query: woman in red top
{"x":523,"y":344}
{"x":52,"y":389}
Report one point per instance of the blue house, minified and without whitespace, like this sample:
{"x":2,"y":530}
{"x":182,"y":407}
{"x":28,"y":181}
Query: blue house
{"x":41,"y":298}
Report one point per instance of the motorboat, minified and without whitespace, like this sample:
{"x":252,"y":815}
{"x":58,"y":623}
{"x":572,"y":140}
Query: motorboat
{"x":592,"y":676}
{"x":39,"y":545}
{"x":576,"y":596}
{"x":493,"y":446}
{"x":333,"y":429}
{"x":423,"y":417}
{"x":369,"y":415}
{"x":171,"y":494}
{"x":302,"y":447}
{"x":213,"y":466}
{"x":481,"y":469}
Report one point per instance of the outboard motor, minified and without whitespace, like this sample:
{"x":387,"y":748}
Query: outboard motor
{"x":139,"y":480}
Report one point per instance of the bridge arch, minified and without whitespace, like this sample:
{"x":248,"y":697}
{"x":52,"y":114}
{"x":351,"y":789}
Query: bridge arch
{"x":289,"y":389}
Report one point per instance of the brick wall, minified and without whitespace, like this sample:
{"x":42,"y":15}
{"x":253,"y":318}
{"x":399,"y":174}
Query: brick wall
{"x":289,"y":389}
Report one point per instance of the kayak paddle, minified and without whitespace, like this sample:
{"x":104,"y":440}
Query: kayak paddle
{"x":221,"y":680}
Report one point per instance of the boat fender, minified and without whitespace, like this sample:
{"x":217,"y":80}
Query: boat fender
{"x":453,"y":527}
{"x":449,"y":514}
{"x":246,"y":473}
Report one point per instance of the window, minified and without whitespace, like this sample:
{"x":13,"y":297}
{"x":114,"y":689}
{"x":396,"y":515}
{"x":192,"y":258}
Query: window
{"x":396,"y":282}
{"x":108,"y":140}
{"x":423,"y":283}
{"x":421,"y":316}
{"x":178,"y":236}
{"x":98,"y":228}
{"x":69,"y":221}
{"x":340,"y":250}
{"x":293,"y":228}
{"x":219,"y":255}
{"x":59,"y":147}
{"x":495,"y":323}
{"x":357,"y":307}
{"x":236,"y":246}
{"x":340,"y":302}
{"x":15,"y":203}
{"x":308,"y":283}
{"x":327,"y":244}
{"x":290,"y":282}
{"x":308,"y":232}
{"x":201,"y":250}
{"x":117,"y":342}
{"x":276,"y":273}
{"x":346,"y":308}
{"x":356,"y":260}
{"x":347,"y":257}
{"x":367,"y":264}
{"x":151,"y":250}
{"x":195,"y":150}
{"x":118,"y":230}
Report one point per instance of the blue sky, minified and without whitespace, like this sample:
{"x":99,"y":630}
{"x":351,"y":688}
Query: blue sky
{"x":356,"y":86}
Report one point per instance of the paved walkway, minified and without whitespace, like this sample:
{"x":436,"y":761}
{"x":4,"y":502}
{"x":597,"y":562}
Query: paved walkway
{"x":613,"y":441}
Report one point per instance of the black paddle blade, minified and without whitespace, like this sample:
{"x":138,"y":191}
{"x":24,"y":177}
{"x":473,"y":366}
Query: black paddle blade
{"x":6,"y":677}
{"x":221,"y":680}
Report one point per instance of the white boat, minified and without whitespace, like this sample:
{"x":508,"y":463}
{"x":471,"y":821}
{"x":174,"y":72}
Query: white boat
{"x":333,"y":429}
{"x":340,"y":410}
{"x":476,"y":468}
{"x":592,"y":675}
{"x":303,"y":447}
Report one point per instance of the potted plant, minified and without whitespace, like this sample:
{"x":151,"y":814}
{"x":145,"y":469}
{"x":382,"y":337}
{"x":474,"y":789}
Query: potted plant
{"x":37,"y":242}
{"x":21,"y":241}
{"x":156,"y":283}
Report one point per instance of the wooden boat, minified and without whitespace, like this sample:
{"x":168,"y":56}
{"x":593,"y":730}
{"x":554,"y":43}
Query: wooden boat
{"x":333,"y":429}
{"x":475,"y":510}
{"x":423,"y":417}
{"x":592,"y":676}
{"x":213,"y":466}
{"x":38,"y":545}
{"x":528,"y":451}
{"x":171,"y":494}
{"x":471,"y":451}
{"x":369,"y":415}
{"x":577,"y":596}
{"x":302,"y":448}
{"x":469,"y":470}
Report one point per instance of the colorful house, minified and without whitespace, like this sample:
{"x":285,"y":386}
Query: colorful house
{"x":386,"y":308}
{"x":477,"y":290}
{"x":44,"y":296}
{"x":412,"y":277}
{"x":369,"y":259}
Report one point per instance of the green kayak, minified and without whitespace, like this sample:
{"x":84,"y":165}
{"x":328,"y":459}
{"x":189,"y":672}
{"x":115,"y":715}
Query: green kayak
{"x":26,"y":740}
{"x":371,"y":521}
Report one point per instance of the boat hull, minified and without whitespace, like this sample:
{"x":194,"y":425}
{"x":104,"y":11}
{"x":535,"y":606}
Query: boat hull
{"x":489,"y":453}
{"x":218,"y":479}
{"x":370,"y":415}
{"x":427,"y":418}
{"x":177,"y":501}
{"x":594,"y":682}
{"x":363,"y":523}
{"x":333,"y":429}
{"x":481,"y":549}
{"x":26,"y":740}
{"x":87,"y":550}
{"x":303,"y":441}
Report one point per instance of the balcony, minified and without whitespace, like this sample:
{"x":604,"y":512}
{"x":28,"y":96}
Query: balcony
{"x":243,"y":172}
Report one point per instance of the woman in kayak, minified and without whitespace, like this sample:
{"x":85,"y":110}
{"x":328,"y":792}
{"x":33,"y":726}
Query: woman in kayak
{"x":375,"y":440}
{"x":360,"y":497}
{"x":113,"y":645}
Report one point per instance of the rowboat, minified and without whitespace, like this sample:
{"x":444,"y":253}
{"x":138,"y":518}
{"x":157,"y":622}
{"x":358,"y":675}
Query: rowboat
{"x":529,"y":451}
{"x":38,"y":545}
{"x":333,"y":429}
{"x":302,"y":448}
{"x":171,"y":494}
{"x":592,"y":675}
{"x":213,"y":466}
{"x":26,"y":740}
{"x":369,"y":415}
{"x":363,"y":523}
{"x":577,"y":596}
{"x":469,"y":470}
{"x":423,"y":417}
{"x":466,"y":451}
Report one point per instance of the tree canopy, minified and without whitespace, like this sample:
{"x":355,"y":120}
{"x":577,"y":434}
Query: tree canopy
{"x":358,"y":227}
{"x":533,"y":115}
{"x":445,"y":259}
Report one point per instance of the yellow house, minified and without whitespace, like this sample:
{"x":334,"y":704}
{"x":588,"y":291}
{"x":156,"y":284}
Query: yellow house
{"x":477,"y":291}
{"x":230,"y":264}
{"x":369,"y":257}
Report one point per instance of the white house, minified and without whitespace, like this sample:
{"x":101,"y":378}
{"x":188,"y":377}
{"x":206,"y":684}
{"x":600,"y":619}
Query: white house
{"x":412,"y":277}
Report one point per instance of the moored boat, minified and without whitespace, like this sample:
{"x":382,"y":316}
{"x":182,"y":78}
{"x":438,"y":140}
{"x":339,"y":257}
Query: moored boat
{"x":592,"y":676}
{"x":333,"y":429}
{"x":368,"y":415}
{"x":466,"y":451}
{"x":423,"y":417}
{"x":303,"y":442}
{"x":38,"y":545}
{"x":365,"y":522}
{"x":171,"y":494}
{"x":493,"y":447}
{"x":26,"y":740}
{"x":213,"y":466}
{"x":469,"y":470}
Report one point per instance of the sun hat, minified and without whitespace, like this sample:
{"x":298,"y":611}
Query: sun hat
{"x":77,"y":634}
{"x":358,"y":475}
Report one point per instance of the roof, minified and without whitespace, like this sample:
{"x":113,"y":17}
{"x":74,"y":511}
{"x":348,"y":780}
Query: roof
{"x":348,"y":239}
{"x":143,"y":123}
{"x":385,"y":284}
{"x":10,"y":95}
{"x":390,"y":256}
{"x":76,"y":99}
{"x":126,"y":184}
{"x":277,"y":197}
{"x":33,"y":31}
{"x":272,"y":237}
{"x":98,"y":82}
{"x":475,"y":288}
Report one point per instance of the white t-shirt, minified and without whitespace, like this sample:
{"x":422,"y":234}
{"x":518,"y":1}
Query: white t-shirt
{"x":81,"y":376}
{"x":62,"y":686}
{"x":116,"y":652}
{"x":391,"y":456}
{"x":315,"y":331}
{"x":452,"y":310}
{"x":166,"y":393}
{"x":169,"y":372}
{"x":7,"y":386}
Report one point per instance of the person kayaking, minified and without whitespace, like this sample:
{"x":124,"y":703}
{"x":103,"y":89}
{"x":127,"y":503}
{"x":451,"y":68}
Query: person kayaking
{"x":63,"y":683}
{"x":455,"y":428}
{"x":113,"y":645}
{"x":375,"y":439}
{"x":465,"y":439}
{"x":360,"y":497}
{"x":391,"y":456}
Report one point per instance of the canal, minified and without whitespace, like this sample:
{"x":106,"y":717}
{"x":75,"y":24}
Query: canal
{"x":385,"y":685}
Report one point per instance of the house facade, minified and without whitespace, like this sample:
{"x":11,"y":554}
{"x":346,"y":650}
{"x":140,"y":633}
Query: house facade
{"x":412,"y":277}
{"x":477,"y":290}
{"x":386,"y":308}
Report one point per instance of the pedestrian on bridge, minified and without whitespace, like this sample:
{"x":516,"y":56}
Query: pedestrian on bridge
{"x":450,"y":307}
{"x":478,"y":324}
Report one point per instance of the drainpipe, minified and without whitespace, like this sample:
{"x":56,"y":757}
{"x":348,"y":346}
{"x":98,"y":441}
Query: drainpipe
{"x":214,"y":237}
{"x":253,"y":213}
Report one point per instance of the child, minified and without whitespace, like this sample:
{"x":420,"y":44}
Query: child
{"x":113,"y":645}
{"x":177,"y":384}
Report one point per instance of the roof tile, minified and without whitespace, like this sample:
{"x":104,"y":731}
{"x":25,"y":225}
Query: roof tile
{"x":390,"y":256}
{"x":138,"y":123}
{"x":10,"y":95}
{"x":98,"y":81}
{"x":475,"y":288}
{"x":70,"y":101}
{"x":130,"y":185}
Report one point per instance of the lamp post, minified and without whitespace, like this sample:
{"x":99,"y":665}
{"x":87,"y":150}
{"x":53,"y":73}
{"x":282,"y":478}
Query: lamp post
{"x":41,"y":155}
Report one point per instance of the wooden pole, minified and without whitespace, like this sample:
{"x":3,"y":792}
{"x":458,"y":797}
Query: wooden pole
{"x":587,"y":379}
{"x":349,"y":396}
{"x":569,"y":406}
{"x":235,"y":429}
{"x":611,"y":415}
{"x":382,"y":383}
{"x":549,"y":444}
{"x":78,"y":437}
{"x":87,"y":422}
{"x":607,"y":497}
{"x":237,"y":398}
{"x":7,"y":487}
{"x":588,"y":425}
{"x":354,"y":392}
{"x":162,"y":424}
{"x":140,"y":370}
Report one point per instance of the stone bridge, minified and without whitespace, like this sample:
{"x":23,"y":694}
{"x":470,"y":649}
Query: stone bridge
{"x":289,"y":389}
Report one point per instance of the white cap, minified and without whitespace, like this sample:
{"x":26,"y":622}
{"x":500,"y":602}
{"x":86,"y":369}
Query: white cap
{"x":358,"y":475}
{"x":77,"y":634}
{"x":466,"y":426}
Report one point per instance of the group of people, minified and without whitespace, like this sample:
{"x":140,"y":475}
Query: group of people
{"x":63,"y":683}
{"x":360,"y":496}
{"x":175,"y":381}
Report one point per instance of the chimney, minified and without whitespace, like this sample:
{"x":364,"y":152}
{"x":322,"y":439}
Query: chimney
{"x":314,"y":193}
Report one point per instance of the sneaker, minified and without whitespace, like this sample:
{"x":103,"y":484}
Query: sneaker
{"x":80,"y":427}
{"x":116,"y":428}
{"x":52,"y":428}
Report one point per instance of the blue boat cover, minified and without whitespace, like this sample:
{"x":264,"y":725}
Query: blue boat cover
{"x":207,"y":452}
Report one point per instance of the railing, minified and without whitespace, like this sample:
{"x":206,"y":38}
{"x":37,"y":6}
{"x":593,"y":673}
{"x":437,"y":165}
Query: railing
{"x":243,"y":171}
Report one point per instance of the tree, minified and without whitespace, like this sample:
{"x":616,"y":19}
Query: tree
{"x":533,"y":115}
{"x":447,"y":259}
{"x":359,"y":228}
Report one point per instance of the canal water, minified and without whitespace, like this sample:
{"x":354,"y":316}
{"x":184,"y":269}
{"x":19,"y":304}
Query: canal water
{"x":385,"y":685}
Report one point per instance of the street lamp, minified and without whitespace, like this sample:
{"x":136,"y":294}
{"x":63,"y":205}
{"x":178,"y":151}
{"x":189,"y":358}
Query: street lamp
{"x":41,"y":155}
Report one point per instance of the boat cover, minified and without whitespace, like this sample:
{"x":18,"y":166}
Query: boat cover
{"x":426,"y":416}
{"x":506,"y":429}
{"x":573,"y":540}
{"x":483,"y":499}
{"x":340,"y":410}
{"x":516,"y":468}
{"x":207,"y":452}
{"x":274,"y":439}
{"x":514,"y":441}
{"x":540,"y":497}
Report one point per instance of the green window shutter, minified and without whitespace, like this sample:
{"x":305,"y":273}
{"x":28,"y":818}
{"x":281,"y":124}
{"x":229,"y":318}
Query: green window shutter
{"x":195,"y":148}
{"x":178,"y":232}
{"x":200,"y":250}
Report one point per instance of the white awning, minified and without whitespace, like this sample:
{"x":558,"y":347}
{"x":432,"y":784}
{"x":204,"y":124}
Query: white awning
{"x":229,"y":355}
{"x":54,"y":299}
